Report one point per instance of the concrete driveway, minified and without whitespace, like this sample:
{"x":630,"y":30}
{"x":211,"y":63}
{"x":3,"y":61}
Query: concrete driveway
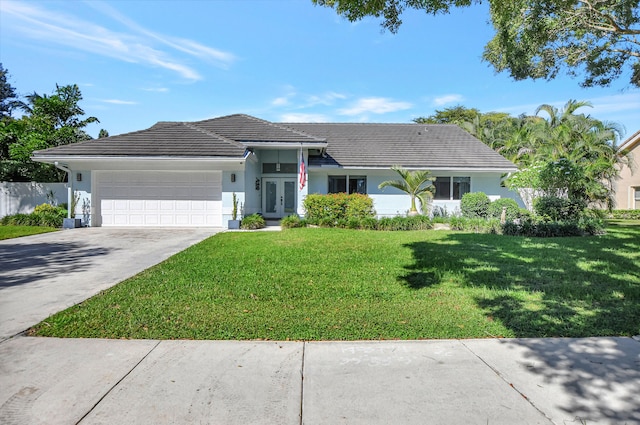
{"x":43,"y":274}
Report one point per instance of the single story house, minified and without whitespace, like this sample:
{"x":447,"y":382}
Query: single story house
{"x":184,"y":173}
{"x":627,"y":186}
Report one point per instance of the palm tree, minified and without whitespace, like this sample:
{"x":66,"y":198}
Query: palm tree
{"x":416,"y":183}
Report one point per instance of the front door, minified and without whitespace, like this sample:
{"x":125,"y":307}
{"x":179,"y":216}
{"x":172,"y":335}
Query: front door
{"x":279,"y":197}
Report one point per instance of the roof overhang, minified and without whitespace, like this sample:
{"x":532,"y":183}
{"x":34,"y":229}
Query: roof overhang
{"x":452,"y":169}
{"x":630,"y":143}
{"x":287,"y":145}
{"x":76,"y":162}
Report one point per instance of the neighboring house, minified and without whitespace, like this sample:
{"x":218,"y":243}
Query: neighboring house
{"x":628,"y":185}
{"x":184,"y":173}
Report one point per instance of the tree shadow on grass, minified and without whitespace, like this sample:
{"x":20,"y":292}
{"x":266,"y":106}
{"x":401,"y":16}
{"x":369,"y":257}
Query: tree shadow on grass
{"x":559,"y":287}
{"x":564,"y":287}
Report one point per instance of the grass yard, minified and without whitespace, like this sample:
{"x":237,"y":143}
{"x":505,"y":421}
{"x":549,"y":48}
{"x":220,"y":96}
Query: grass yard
{"x":336,"y":284}
{"x":10,"y":232}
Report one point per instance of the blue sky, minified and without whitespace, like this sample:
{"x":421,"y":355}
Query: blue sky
{"x":139,"y":62}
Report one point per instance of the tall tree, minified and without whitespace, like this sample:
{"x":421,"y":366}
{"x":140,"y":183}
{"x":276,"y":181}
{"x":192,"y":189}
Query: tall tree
{"x":8,"y":97}
{"x":538,"y":38}
{"x":587,"y":144}
{"x":49,"y":121}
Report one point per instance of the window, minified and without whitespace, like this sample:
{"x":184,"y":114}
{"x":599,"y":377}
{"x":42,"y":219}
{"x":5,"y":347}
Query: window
{"x":280,"y":168}
{"x":637,"y":196}
{"x":443,"y":188}
{"x":337,"y":184}
{"x":451,"y":187}
{"x":461,"y":185}
{"x":357,"y":184}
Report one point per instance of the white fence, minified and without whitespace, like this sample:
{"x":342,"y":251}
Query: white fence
{"x":24,"y":197}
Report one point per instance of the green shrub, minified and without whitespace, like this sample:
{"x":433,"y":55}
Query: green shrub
{"x":42,"y":219}
{"x":337,"y":206}
{"x":359,"y":206}
{"x":47,"y":219}
{"x":554,"y":208}
{"x":477,"y":225}
{"x":546,"y":229}
{"x":252,"y":222}
{"x":474,"y":205}
{"x":418,"y":222}
{"x":512,"y":209}
{"x":369,"y":223}
{"x":291,"y":222}
{"x":625,"y":214}
{"x":45,"y":208}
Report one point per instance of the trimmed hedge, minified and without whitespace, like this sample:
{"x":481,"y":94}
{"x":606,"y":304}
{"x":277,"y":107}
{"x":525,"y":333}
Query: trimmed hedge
{"x":495,"y":209}
{"x":475,"y":205}
{"x":327,"y":210}
{"x":625,"y":214}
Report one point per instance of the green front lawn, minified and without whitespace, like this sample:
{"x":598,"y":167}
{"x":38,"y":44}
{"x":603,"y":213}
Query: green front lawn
{"x":10,"y":232}
{"x":336,"y":284}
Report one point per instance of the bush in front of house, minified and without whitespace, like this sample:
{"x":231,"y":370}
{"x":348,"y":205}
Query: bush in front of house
{"x":418,"y":222}
{"x":476,"y":225}
{"x":553,"y":208}
{"x":327,"y":210}
{"x":512,"y":209}
{"x":536,"y":227}
{"x":475,"y":205}
{"x":292,"y":222}
{"x":44,"y":215}
{"x":253,"y":222}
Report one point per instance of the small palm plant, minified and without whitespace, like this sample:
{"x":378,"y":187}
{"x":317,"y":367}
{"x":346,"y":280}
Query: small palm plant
{"x":416,"y":183}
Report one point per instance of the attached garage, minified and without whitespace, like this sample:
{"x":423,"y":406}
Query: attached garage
{"x":158,"y":198}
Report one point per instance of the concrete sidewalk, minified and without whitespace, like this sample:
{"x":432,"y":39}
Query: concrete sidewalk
{"x":490,"y":381}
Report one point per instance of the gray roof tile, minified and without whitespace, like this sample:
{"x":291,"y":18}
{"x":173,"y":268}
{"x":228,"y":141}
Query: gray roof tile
{"x":348,"y":145}
{"x":163,"y":139}
{"x":407,"y":145}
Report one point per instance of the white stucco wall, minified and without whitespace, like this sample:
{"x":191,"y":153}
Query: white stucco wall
{"x":389,"y":202}
{"x":22,"y":198}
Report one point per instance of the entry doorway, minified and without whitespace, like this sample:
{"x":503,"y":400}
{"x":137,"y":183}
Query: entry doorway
{"x":278,"y":197}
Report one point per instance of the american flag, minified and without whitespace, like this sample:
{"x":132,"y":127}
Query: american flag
{"x":303,"y":172}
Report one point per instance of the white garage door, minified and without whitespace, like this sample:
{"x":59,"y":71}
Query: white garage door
{"x":160,"y":198}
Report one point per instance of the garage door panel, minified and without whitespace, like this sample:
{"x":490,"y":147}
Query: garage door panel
{"x":147,"y":198}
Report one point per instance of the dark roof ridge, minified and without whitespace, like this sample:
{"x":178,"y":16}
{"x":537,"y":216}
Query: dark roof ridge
{"x":281,"y":127}
{"x":366,"y":123}
{"x":212,"y":134}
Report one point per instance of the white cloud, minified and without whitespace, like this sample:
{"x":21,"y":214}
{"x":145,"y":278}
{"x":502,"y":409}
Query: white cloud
{"x":119,"y":102}
{"x":138,"y":46}
{"x":280,"y":101}
{"x":157,"y":90}
{"x":302,"y":117}
{"x":447,"y":99}
{"x":326,"y":99}
{"x":376,"y":105}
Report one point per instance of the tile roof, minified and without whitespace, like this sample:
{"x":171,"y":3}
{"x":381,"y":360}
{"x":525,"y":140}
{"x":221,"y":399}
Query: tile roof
{"x":163,"y":139}
{"x":247,"y":129}
{"x":437,"y":146}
